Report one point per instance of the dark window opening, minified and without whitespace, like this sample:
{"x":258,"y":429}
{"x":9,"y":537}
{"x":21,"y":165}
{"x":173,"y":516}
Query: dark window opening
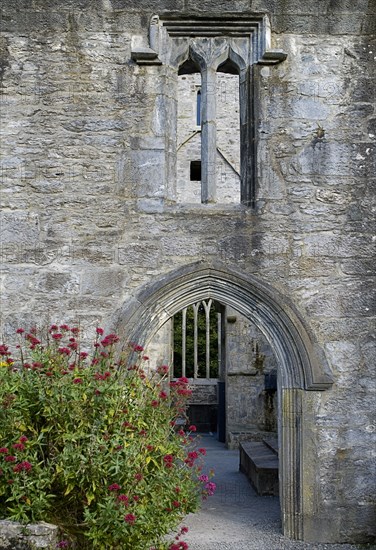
{"x":189,"y":67}
{"x":198,"y":108}
{"x":195,"y":172}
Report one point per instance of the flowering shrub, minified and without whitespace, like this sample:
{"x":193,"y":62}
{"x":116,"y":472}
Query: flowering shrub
{"x":90,"y":443}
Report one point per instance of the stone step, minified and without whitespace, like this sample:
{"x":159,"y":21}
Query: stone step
{"x":259,"y":462}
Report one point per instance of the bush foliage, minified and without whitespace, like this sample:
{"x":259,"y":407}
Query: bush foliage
{"x":89,"y":441}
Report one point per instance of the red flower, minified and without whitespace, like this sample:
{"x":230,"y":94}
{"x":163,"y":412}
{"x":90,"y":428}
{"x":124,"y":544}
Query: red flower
{"x":114,"y":487}
{"x":154,"y":403}
{"x":192,"y":428}
{"x":181,"y":545}
{"x":163,"y":369}
{"x":138,"y":477}
{"x":99,"y":330}
{"x":163,"y":395}
{"x":23,"y":466}
{"x":137,"y":348}
{"x":64,"y":351}
{"x":75,"y":330}
{"x":83,"y":354}
{"x":10,"y":458}
{"x":53,"y":327}
{"x":77,"y":381}
{"x":109,"y":340}
{"x":123,"y":498}
{"x":4,"y":450}
{"x":57,"y":336}
{"x":168,"y":459}
{"x":202,"y":451}
{"x":20,"y":331}
{"x":64,"y":327}
{"x":23,"y":439}
{"x":176,"y":504}
{"x":18,"y":446}
{"x":130,"y":518}
{"x":183,"y":380}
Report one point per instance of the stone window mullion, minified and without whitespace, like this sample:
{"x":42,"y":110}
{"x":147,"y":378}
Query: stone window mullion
{"x":208,"y":134}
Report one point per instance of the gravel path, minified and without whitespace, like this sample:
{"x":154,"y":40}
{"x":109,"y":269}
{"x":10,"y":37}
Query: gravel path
{"x":236,"y":518}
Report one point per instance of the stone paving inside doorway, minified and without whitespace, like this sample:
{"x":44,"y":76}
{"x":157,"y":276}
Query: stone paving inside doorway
{"x":236,"y":518}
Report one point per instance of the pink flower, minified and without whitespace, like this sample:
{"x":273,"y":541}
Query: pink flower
{"x":130,"y":518}
{"x":114,"y":487}
{"x":62,"y":544}
{"x":183,"y":380}
{"x":203,"y":478}
{"x":75,"y":330}
{"x":210,"y":488}
{"x":192,"y":428}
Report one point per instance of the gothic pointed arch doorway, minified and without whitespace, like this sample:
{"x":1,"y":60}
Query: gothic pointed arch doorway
{"x":301,"y":367}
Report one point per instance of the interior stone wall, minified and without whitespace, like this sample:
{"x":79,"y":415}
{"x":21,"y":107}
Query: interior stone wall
{"x":251,"y":410}
{"x":87,"y":216}
{"x":189,"y":139}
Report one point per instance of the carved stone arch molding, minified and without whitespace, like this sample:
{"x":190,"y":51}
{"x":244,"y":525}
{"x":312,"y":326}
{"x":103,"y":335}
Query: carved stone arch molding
{"x":209,"y":41}
{"x":302,"y":367}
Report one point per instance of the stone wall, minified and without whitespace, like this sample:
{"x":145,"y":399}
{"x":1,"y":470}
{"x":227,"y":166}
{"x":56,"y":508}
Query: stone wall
{"x":14,"y":536}
{"x":88,"y":216}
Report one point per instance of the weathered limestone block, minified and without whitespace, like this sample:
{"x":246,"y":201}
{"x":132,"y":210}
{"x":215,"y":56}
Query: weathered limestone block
{"x":14,"y":536}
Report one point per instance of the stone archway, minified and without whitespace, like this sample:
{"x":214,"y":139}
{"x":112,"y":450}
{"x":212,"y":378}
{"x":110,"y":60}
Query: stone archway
{"x":302,"y":367}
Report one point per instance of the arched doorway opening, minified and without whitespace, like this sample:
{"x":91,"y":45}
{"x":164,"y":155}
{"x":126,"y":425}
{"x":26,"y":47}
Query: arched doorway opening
{"x":301,"y":368}
{"x":231,"y":368}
